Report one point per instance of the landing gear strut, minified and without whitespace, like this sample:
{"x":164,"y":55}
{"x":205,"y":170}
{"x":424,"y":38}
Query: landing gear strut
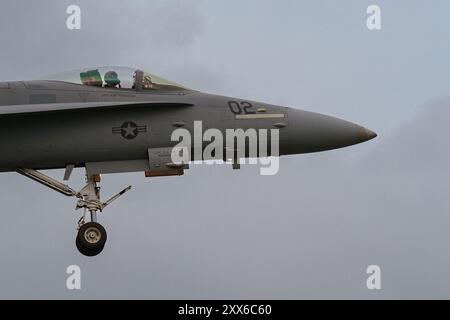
{"x":91,"y":237}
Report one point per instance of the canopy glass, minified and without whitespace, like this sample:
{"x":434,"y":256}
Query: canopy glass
{"x":118,"y":78}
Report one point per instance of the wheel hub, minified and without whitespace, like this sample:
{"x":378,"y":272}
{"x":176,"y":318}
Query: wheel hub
{"x":92,"y":235}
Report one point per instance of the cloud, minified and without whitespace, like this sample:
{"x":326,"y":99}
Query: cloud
{"x":123,"y":34}
{"x":309,"y":232}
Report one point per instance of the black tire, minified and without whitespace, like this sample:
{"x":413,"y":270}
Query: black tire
{"x":92,"y":236}
{"x":87,"y":252}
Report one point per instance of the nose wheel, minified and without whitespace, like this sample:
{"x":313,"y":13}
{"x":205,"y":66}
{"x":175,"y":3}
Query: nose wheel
{"x":91,"y":239}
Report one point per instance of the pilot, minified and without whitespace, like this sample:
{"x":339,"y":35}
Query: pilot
{"x":112,"y":80}
{"x":147,"y":82}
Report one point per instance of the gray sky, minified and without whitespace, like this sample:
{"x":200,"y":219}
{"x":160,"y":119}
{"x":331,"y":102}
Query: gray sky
{"x":309,"y":232}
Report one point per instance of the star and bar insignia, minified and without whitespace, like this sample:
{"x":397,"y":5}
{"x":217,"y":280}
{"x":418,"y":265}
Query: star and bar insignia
{"x":129,"y":130}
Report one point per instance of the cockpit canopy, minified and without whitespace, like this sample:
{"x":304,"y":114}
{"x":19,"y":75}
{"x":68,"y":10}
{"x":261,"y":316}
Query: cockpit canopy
{"x":118,"y":78}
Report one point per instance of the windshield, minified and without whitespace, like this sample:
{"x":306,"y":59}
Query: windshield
{"x":118,"y":78}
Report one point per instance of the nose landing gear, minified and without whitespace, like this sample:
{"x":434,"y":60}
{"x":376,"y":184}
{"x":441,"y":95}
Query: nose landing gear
{"x":91,"y":237}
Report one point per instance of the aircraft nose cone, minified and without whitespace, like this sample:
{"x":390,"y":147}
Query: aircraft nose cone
{"x":366,"y":134}
{"x":313,"y":132}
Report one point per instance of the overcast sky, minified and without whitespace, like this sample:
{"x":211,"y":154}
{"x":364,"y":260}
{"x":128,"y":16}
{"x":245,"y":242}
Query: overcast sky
{"x":309,"y":232}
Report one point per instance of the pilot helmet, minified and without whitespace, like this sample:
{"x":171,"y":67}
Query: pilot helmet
{"x":147,"y":82}
{"x":111,"y":78}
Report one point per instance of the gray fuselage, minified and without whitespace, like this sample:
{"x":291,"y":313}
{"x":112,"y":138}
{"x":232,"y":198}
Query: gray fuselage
{"x":54,"y":139}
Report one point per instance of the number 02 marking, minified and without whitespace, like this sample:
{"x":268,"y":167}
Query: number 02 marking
{"x":241,"y":108}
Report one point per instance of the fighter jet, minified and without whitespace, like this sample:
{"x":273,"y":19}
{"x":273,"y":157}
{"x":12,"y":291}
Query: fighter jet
{"x":116,"y":120}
